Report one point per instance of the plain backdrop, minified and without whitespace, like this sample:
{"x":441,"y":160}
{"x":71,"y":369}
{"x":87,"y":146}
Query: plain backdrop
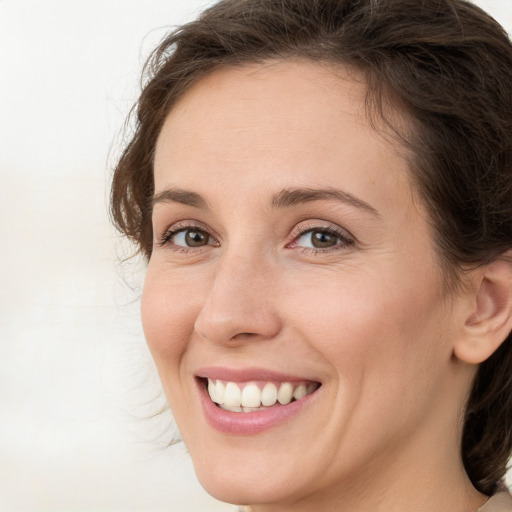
{"x":77,"y":386}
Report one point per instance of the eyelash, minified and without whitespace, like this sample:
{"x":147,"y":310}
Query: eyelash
{"x":344,"y":239}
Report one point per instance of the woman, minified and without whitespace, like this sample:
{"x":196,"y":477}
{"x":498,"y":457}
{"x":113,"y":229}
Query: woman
{"x":323,"y":192}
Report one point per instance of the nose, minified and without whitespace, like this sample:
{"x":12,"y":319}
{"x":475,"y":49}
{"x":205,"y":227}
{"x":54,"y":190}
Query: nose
{"x":240,"y":304}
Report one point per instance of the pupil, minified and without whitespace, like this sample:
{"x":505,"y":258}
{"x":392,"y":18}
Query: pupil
{"x":323,"y":239}
{"x":196,"y":238}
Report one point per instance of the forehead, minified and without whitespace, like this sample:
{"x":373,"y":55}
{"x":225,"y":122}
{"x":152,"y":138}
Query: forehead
{"x":277,"y":95}
{"x":275,"y":122}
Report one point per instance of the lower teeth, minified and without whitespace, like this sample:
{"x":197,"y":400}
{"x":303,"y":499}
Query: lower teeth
{"x":247,"y":409}
{"x":242,"y":409}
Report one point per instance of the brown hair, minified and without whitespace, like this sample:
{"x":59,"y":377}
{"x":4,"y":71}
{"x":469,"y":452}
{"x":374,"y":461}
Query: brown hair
{"x":446,"y":65}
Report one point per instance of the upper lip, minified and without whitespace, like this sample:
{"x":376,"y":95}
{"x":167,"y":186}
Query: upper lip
{"x":248,"y":374}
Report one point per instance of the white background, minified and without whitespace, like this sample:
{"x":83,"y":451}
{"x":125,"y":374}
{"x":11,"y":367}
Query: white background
{"x":76,"y":383}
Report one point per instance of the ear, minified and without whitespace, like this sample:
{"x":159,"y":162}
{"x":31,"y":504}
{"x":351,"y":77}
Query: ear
{"x":489,"y":321}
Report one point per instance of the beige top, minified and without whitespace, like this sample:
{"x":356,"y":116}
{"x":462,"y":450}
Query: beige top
{"x":500,"y":502}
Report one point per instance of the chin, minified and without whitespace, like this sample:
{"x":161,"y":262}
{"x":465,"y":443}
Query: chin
{"x":250,"y":487}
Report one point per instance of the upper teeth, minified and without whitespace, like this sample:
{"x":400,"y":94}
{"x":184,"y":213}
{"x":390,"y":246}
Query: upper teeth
{"x":231,"y":396}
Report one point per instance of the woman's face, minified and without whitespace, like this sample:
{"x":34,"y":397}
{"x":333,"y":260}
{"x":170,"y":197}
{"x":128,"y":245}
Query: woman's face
{"x":293,"y":258}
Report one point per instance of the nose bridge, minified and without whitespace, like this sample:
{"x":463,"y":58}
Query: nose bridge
{"x":239,"y":304}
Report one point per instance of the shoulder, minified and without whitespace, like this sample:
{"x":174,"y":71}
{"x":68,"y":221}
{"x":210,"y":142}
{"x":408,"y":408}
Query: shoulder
{"x":500,"y":502}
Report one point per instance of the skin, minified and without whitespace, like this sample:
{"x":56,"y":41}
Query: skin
{"x":370,"y":318}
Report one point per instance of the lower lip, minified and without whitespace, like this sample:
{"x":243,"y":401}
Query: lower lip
{"x":248,"y":423}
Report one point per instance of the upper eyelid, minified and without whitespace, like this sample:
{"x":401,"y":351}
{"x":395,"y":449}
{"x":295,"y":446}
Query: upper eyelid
{"x":300,"y":229}
{"x":332,"y":231}
{"x":188,"y":224}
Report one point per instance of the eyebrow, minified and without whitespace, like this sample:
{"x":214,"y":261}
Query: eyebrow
{"x":294,"y":196}
{"x":177,"y":195}
{"x":286,"y":198}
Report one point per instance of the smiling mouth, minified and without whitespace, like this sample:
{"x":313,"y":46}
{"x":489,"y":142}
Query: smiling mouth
{"x":256,"y":396}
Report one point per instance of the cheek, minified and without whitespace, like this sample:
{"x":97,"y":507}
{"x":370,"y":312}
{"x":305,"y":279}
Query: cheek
{"x":376,"y":330}
{"x":168,"y":311}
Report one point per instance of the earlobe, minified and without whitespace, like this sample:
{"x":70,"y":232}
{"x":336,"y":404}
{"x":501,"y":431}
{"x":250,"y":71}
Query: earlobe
{"x":490,"y":318}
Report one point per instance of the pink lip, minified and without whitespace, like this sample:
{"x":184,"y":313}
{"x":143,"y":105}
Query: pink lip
{"x":247,"y":375}
{"x":239,"y":423}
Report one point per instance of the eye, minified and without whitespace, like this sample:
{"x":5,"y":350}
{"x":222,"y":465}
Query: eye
{"x":188,"y":237}
{"x":322,"y":238}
